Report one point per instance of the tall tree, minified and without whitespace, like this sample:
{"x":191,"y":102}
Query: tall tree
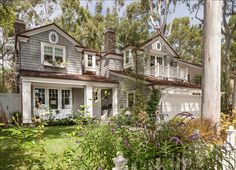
{"x":159,"y":12}
{"x":212,"y":61}
{"x":186,"y":39}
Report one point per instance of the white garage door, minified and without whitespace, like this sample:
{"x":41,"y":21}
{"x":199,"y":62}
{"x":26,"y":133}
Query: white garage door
{"x":172,"y":104}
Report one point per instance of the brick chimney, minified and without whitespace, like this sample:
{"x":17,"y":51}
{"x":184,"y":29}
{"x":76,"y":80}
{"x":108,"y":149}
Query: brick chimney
{"x":19,"y":26}
{"x":110,"y":41}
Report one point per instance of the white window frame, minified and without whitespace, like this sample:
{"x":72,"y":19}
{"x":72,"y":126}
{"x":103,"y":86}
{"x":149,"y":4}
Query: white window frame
{"x":47,"y":96}
{"x":43,"y":44}
{"x":159,"y":42}
{"x":50,"y":37}
{"x":162,"y":60}
{"x":87,"y":67}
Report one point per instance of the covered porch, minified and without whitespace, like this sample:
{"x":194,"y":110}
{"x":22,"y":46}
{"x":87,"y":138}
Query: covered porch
{"x":59,"y":98}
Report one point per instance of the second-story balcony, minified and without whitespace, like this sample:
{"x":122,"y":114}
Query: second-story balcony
{"x":166,"y":72}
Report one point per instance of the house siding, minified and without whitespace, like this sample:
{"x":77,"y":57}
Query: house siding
{"x":110,"y":64}
{"x":127,"y":85}
{"x":192,"y":70}
{"x":30,"y":54}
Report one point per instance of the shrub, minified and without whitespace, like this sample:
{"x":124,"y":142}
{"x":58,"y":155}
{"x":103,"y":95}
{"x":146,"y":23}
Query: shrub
{"x":16,"y":118}
{"x":60,"y":122}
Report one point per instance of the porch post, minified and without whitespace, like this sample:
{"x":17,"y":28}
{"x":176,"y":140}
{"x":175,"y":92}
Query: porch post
{"x":26,"y":102}
{"x":114,"y":101}
{"x":88,"y":100}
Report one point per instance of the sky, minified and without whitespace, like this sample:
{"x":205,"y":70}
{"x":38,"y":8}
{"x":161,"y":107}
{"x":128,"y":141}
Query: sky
{"x":181,"y":9}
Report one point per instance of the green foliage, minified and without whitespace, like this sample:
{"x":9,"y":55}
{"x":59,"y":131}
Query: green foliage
{"x":16,"y":118}
{"x":186,"y":39}
{"x":60,"y":122}
{"x":153,"y":103}
{"x":197,"y":79}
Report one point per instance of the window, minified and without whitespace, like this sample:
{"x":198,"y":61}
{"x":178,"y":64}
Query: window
{"x":189,"y":78}
{"x":39,"y":94}
{"x":53,"y":98}
{"x":65,"y":98}
{"x":48,"y":54}
{"x":159,"y":60}
{"x":127,"y":57}
{"x":53,"y":37}
{"x":158,"y":45}
{"x":152,"y":61}
{"x":90,"y":60}
{"x":130,"y":99}
{"x":53,"y":54}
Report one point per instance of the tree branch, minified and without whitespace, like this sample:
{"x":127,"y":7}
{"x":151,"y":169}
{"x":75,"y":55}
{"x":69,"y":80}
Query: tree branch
{"x":201,"y":20}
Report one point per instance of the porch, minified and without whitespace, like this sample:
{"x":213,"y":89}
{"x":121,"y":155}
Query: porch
{"x":55,"y":98}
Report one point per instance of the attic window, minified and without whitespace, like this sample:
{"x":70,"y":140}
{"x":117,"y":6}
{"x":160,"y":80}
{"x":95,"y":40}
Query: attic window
{"x":127,"y":57}
{"x":53,"y":37}
{"x":158,"y":45}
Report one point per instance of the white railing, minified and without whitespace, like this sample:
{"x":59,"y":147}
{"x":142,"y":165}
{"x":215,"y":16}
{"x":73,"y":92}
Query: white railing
{"x":167,"y":72}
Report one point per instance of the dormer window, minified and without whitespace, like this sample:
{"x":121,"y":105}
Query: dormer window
{"x":53,"y":55}
{"x":90,"y":61}
{"x":53,"y":37}
{"x":127,"y":57}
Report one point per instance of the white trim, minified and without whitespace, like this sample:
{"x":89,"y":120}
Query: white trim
{"x":43,"y":44}
{"x":51,"y":27}
{"x":159,"y":38}
{"x":50,"y":37}
{"x":74,"y":83}
{"x":87,"y":67}
{"x":22,"y":39}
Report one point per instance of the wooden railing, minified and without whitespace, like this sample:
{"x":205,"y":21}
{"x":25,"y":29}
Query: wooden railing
{"x":167,"y":72}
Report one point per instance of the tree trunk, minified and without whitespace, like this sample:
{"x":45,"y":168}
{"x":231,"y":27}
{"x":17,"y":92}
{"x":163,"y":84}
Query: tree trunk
{"x":211,"y":92}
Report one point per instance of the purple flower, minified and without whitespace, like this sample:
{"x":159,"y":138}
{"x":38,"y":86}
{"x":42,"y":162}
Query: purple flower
{"x":194,"y":136}
{"x":113,"y":130}
{"x":157,"y":145}
{"x":176,"y":139}
{"x":126,"y":142}
{"x":99,"y":168}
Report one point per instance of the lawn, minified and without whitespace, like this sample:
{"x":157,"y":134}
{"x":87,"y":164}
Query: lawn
{"x":11,"y":156}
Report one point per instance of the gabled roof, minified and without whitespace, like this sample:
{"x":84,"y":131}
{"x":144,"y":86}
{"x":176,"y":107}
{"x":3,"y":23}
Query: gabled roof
{"x":49,"y":27}
{"x":151,"y":40}
{"x":156,"y":81}
{"x":189,"y":63}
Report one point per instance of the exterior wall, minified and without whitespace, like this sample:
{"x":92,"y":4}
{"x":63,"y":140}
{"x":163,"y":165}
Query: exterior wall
{"x":77,"y":98}
{"x":127,"y":85}
{"x":192,"y":70}
{"x":30,"y":54}
{"x":110,"y":64}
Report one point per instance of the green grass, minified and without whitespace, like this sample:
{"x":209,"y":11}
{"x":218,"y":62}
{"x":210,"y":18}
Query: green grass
{"x":11,"y":155}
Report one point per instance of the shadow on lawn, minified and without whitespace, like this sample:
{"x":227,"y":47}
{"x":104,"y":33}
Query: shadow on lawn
{"x":57,"y":131}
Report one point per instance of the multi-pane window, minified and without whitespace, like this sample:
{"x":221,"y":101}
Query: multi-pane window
{"x":53,"y":98}
{"x":53,"y":54}
{"x":95,"y":96}
{"x":48,"y":54}
{"x":65,"y":98}
{"x":159,"y":60}
{"x":90,"y":60}
{"x":39,"y":94}
{"x":130,"y":99}
{"x":127,"y":57}
{"x":59,"y":55}
{"x":152,"y":61}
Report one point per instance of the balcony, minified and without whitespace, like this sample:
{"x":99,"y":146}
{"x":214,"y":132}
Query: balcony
{"x":166,"y":72}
